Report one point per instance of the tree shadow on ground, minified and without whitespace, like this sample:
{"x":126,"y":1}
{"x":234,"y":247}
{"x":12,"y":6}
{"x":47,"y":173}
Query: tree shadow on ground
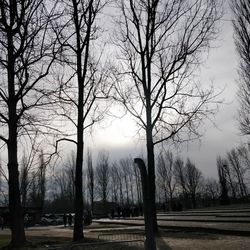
{"x":161,"y":243}
{"x":189,"y":235}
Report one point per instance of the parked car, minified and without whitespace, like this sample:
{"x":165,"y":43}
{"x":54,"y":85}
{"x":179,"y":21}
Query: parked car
{"x":51,"y":219}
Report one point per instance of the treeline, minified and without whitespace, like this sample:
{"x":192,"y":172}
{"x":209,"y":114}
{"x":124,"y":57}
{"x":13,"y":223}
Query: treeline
{"x":33,"y":179}
{"x":179,"y":183}
{"x":234,"y":173}
{"x":182,"y":185}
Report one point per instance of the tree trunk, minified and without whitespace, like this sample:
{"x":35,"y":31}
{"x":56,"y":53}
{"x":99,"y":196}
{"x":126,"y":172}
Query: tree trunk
{"x":137,"y":188}
{"x":126,"y":185}
{"x":132,"y":193}
{"x":232,"y":186}
{"x":193,"y":197}
{"x":149,"y":227}
{"x":224,"y":199}
{"x":78,"y":224}
{"x":151,"y":176}
{"x":171,"y":201}
{"x":165,"y":194}
{"x":121,"y":193}
{"x":16,"y":210}
{"x":92,"y":189}
{"x":92,"y":201}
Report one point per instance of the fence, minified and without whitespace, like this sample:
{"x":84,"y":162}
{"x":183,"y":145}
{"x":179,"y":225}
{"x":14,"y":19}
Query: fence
{"x":109,"y":241}
{"x":111,"y":245}
{"x":121,"y":236}
{"x":116,"y":241}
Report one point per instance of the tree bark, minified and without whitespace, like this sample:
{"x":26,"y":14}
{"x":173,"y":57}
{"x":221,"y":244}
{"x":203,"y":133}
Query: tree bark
{"x":151,"y":172}
{"x":149,"y":226}
{"x":16,"y":211}
{"x":78,"y":225}
{"x":171,"y":201}
{"x":193,"y":197}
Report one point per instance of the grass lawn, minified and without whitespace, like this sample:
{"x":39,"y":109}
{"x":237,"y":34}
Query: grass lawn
{"x":4,"y":240}
{"x":35,"y":241}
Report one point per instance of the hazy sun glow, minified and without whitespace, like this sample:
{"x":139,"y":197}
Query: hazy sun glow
{"x":116,"y":133}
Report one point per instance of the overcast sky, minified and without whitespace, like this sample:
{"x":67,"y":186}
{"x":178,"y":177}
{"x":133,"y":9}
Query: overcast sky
{"x":120,"y":139}
{"x":118,"y":136}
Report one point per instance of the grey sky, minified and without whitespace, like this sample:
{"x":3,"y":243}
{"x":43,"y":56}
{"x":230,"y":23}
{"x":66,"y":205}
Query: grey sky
{"x":119,"y":136}
{"x":220,"y":68}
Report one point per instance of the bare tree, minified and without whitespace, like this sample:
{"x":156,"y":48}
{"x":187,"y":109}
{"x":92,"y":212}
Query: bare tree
{"x":179,"y":171}
{"x":234,"y":170}
{"x":222,"y":173}
{"x":231,"y":180}
{"x":103,"y":176}
{"x":138,"y":185}
{"x":125,"y":164}
{"x":38,"y":183}
{"x":165,"y":170}
{"x":211,"y":190}
{"x":241,"y":23}
{"x":29,"y":168}
{"x":42,"y":179}
{"x":160,"y":44}
{"x":69,"y":169}
{"x":160,"y":179}
{"x":27,"y":52}
{"x":237,"y":170}
{"x":3,"y":179}
{"x":119,"y":176}
{"x":85,"y":187}
{"x":62,"y":181}
{"x":117,"y":184}
{"x":126,"y":189}
{"x":63,"y":186}
{"x":188,"y":178}
{"x":91,"y":179}
{"x":193,"y":177}
{"x":82,"y":81}
{"x":24,"y":180}
{"x":244,"y":153}
{"x":1,"y":188}
{"x":114,"y":183}
{"x":131,"y":181}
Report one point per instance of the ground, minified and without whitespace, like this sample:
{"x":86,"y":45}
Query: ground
{"x":58,"y":237}
{"x":223,"y":228}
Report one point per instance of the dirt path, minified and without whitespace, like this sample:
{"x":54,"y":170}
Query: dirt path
{"x":166,"y":240}
{"x":195,"y":241}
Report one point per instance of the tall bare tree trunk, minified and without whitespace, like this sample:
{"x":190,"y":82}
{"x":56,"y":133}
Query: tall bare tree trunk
{"x":78,"y":225}
{"x":131,"y":190}
{"x":17,"y":223}
{"x":24,"y":47}
{"x":126,"y":185}
{"x":90,"y":179}
{"x":16,"y":210}
{"x":151,"y":169}
{"x":149,"y":229}
{"x":138,"y":190}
